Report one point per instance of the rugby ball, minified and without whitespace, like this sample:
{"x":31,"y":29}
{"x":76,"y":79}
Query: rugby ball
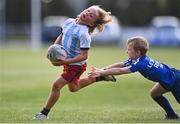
{"x":56,"y":52}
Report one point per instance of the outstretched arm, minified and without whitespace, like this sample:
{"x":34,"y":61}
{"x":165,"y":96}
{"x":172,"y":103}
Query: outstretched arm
{"x":95,"y":72}
{"x":116,"y":71}
{"x":115,"y":65}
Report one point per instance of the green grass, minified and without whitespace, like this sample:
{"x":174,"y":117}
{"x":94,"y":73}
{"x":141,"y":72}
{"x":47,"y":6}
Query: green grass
{"x":26,"y":78}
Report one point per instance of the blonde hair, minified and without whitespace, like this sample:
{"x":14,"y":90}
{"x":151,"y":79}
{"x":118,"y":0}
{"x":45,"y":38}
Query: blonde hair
{"x":104,"y":18}
{"x":139,"y":43}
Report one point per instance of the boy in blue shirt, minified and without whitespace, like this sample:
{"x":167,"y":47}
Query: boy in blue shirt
{"x":167,"y":79}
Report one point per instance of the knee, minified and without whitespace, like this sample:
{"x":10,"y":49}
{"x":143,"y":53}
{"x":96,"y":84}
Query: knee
{"x":153,"y":93}
{"x":73,"y":90}
{"x":55,"y":87}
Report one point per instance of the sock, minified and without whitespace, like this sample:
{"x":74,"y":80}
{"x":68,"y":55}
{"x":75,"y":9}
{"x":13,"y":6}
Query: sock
{"x":45,"y":111}
{"x":163,"y":102}
{"x":100,"y":78}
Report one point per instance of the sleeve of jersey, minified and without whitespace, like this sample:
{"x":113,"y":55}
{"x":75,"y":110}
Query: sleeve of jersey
{"x":127,"y":62}
{"x":85,"y":41}
{"x":136,"y":66}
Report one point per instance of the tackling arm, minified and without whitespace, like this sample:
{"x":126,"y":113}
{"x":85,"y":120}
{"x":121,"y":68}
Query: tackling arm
{"x":115,"y":71}
{"x":115,"y":65}
{"x":112,"y":71}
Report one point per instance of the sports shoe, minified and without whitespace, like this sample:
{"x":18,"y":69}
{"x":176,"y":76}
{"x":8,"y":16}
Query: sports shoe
{"x":40,"y":116}
{"x":109,"y":78}
{"x":176,"y":116}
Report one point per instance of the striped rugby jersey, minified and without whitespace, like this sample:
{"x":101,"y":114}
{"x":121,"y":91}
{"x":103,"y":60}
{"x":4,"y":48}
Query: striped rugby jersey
{"x":75,"y":38}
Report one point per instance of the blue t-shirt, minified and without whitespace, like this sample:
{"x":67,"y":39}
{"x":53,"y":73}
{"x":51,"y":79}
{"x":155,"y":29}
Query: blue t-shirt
{"x":152,"y":70}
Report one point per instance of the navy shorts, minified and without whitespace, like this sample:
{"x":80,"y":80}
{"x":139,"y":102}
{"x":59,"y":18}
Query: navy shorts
{"x":176,"y":87}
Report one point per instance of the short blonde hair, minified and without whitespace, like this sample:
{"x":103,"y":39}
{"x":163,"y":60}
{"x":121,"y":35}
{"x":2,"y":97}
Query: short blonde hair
{"x":104,"y":18}
{"x":139,"y":44}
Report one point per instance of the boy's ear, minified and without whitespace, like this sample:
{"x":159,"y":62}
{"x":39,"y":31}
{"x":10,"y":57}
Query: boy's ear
{"x":139,"y":52}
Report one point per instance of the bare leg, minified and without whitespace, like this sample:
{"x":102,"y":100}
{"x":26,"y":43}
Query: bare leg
{"x":157,"y":90}
{"x":55,"y":92}
{"x":82,"y":83}
{"x":88,"y":81}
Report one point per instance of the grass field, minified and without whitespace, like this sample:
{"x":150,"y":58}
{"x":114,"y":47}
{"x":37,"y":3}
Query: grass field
{"x":26,"y":78}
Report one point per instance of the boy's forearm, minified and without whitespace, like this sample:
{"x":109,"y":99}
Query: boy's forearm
{"x":115,"y":65}
{"x":58,"y":39}
{"x":115,"y":71}
{"x":69,"y":61}
{"x":81,"y":57}
{"x":76,"y":59}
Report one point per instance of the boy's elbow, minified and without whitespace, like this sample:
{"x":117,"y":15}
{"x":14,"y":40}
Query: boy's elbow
{"x":86,"y":57}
